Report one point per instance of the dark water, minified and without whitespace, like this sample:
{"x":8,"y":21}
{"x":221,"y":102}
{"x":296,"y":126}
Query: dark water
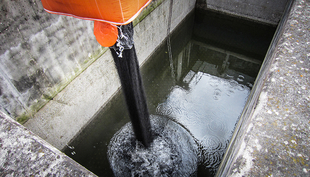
{"x":216,"y":59}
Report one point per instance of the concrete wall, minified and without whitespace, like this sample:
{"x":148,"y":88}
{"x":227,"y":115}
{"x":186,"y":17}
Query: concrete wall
{"x":40,"y":53}
{"x":71,"y":109}
{"x":267,"y":11}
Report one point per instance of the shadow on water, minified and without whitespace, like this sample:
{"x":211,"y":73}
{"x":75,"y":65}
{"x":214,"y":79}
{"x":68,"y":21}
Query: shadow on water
{"x":216,"y":60}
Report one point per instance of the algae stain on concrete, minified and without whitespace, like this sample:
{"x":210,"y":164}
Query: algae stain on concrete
{"x":52,"y":92}
{"x":145,"y":12}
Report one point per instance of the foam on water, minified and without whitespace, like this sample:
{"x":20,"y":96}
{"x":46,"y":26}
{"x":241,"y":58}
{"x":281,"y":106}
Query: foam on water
{"x":172,"y":153}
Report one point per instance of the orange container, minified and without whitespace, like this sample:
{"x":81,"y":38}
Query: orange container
{"x":106,"y":14}
{"x":118,"y":12}
{"x":106,"y":34}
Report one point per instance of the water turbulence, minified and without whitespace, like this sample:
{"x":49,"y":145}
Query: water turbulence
{"x":172,"y":153}
{"x":139,"y":149}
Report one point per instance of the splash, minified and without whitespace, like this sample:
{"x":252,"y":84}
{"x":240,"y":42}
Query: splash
{"x":172,"y":153}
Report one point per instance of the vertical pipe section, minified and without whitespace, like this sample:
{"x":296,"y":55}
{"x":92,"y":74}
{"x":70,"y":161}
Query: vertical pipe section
{"x":129,"y":74}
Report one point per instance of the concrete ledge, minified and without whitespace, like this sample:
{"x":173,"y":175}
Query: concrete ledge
{"x":272,"y":136}
{"x":263,"y":10}
{"x":22,"y":153}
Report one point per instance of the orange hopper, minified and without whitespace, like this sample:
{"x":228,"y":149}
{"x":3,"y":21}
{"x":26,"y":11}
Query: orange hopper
{"x":106,"y":14}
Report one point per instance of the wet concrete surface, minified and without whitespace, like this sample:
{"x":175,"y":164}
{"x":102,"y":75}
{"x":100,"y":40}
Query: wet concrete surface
{"x":22,"y":153}
{"x":274,"y":139}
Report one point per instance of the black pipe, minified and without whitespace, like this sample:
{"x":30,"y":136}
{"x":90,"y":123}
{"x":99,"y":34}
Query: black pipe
{"x":127,"y":66}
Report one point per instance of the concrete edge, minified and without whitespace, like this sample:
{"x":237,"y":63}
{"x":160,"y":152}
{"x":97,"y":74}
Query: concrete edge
{"x":245,"y":118}
{"x":22,"y":153}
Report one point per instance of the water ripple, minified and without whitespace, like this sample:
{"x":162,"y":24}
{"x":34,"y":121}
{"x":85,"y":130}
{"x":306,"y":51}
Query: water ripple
{"x":211,"y":143}
{"x":164,"y":109}
{"x":214,"y":82}
{"x":217,"y":94}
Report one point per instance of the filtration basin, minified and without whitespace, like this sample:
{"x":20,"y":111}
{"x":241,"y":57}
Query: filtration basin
{"x":202,"y":87}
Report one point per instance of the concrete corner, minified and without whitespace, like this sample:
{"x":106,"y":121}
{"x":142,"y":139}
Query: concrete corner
{"x":22,"y":153}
